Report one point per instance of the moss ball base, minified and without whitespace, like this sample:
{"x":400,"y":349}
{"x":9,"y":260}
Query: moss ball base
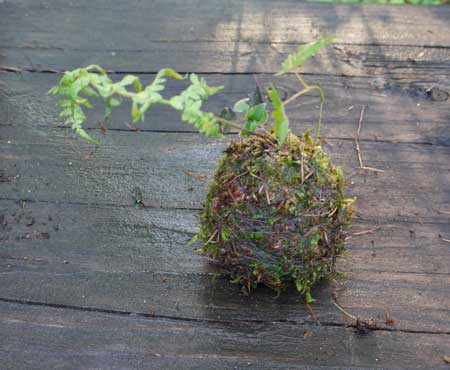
{"x":275,"y":215}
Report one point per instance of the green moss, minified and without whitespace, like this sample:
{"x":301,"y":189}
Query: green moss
{"x":276,"y":215}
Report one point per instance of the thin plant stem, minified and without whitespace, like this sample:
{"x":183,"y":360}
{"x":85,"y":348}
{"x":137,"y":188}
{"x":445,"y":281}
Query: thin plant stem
{"x":307,"y":88}
{"x":302,"y":81}
{"x":346,"y":313}
{"x":239,"y":127}
{"x":295,"y":96}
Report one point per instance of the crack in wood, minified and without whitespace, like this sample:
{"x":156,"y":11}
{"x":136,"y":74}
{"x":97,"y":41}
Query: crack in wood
{"x":132,"y":314}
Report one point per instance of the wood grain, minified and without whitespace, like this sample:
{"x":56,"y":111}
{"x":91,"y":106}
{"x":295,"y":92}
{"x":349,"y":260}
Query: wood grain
{"x":231,"y":36}
{"x":398,"y":110}
{"x":89,"y":281}
{"x":75,"y":339}
{"x":205,"y":57}
{"x":51,"y":166}
{"x":103,"y":238}
{"x":126,"y":259}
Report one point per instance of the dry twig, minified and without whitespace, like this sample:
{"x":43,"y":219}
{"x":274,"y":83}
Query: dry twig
{"x":195,"y":176}
{"x":371,"y":231}
{"x":365,"y":168}
{"x":311,"y":311}
{"x":358,"y":149}
{"x":441,"y":211}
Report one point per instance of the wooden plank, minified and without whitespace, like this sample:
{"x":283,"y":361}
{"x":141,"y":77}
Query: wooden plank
{"x":51,"y":166}
{"x":137,"y":260}
{"x":243,"y":57}
{"x":399,"y":110}
{"x":126,"y":239}
{"x":221,"y":36}
{"x":419,"y":303}
{"x":100,"y":238}
{"x":50,"y":163}
{"x":35,"y":337}
{"x":101,"y":24}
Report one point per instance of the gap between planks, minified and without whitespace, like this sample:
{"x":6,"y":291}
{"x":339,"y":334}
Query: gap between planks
{"x":14,"y":70}
{"x":232,"y":134}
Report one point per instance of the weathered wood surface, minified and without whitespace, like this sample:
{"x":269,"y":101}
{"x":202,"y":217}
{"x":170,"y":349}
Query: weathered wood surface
{"x":95,"y":265}
{"x":398,"y":110}
{"x":102,"y":284}
{"x":166,"y":167}
{"x":97,"y":237}
{"x":222,"y":36}
{"x":286,"y":21}
{"x":75,"y":339}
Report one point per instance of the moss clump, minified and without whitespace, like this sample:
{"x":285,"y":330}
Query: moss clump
{"x":276,"y":215}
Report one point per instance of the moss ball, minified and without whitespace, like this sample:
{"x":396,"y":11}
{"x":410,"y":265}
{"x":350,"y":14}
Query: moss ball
{"x":275,"y":215}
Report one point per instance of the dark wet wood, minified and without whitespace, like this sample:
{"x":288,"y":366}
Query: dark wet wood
{"x":103,"y":284}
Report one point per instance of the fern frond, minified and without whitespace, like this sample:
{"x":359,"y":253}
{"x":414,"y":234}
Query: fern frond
{"x":80,"y":84}
{"x":190,"y":102}
{"x":303,"y":54}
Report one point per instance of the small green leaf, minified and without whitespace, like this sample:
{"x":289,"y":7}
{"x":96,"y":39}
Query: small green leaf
{"x":298,"y":285}
{"x":114,"y":102}
{"x":241,"y":106}
{"x":171,"y":73}
{"x":84,"y":135}
{"x":88,"y":91}
{"x":104,"y":90}
{"x":250,"y":126}
{"x":84,"y":102}
{"x":281,"y":127}
{"x":64,"y":103}
{"x":54,"y":90}
{"x":177,"y":102}
{"x":303,"y":54}
{"x":258,"y":113}
{"x":135,"y":112}
{"x":66,"y":112}
{"x":128,"y":80}
{"x":97,"y":68}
